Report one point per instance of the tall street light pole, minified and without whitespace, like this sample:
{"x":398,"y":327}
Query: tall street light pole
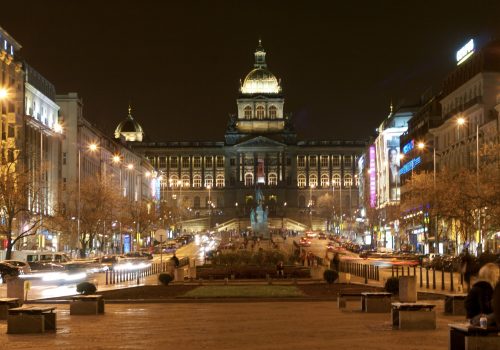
{"x":92,"y":148}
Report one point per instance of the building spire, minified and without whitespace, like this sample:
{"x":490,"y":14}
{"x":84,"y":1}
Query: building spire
{"x":391,"y":106}
{"x":260,"y":56}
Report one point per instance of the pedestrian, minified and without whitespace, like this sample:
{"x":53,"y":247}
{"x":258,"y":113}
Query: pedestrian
{"x":479,"y":299}
{"x":466,"y":265}
{"x":280,"y":269}
{"x":175,"y":259}
{"x":335,"y":262}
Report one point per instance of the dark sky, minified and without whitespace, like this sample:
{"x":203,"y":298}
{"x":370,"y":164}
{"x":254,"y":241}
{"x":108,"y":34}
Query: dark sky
{"x":180,"y":62}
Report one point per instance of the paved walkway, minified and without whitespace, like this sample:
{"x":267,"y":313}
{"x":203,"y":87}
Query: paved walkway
{"x":262,"y":325}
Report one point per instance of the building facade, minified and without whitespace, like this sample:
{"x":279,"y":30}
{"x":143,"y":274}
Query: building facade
{"x":260,"y":149}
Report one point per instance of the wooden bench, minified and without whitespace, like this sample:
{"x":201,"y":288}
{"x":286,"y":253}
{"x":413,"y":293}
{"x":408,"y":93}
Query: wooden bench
{"x":413,"y":316}
{"x":376,"y":302}
{"x":343,"y":296}
{"x":87,"y":305}
{"x":6,"y":304}
{"x":31,"y":319}
{"x":454,"y":304}
{"x":466,"y":337}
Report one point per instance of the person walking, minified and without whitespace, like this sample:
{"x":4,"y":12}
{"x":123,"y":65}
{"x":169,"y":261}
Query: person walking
{"x":175,"y":259}
{"x":280,"y":269}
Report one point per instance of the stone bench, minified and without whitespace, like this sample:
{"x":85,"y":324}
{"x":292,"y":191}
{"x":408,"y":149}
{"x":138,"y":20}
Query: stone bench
{"x":466,"y":337}
{"x":454,"y":304}
{"x":343,"y":296}
{"x":413,"y":316}
{"x":6,"y":304}
{"x":31,"y":319}
{"x":378,"y":302}
{"x":86,"y":305}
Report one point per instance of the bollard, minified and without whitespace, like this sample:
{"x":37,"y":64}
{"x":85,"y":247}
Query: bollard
{"x":442,"y":279}
{"x":106,"y":277}
{"x":392,"y":270}
{"x":415,"y":271}
{"x":397,"y":271}
{"x":421,"y":284}
{"x":366,"y":274}
{"x":378,"y":273}
{"x":451,"y":279}
{"x":402,"y":271}
{"x":408,"y":270}
{"x":433,"y":278}
{"x":137,"y":273}
{"x":427,"y":277}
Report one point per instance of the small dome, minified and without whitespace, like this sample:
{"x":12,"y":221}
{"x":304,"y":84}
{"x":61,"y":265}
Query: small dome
{"x":129,"y":128}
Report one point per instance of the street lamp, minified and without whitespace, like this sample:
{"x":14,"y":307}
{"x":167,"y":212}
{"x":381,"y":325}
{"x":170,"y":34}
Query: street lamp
{"x":3,"y":93}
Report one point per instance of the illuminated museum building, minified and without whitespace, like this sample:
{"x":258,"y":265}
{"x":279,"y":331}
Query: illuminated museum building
{"x":260,"y":148}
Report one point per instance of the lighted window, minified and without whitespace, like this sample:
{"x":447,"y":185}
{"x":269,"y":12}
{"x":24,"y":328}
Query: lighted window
{"x":356,"y":180}
{"x":273,"y":111}
{"x":219,"y":181}
{"x":247,"y":112}
{"x":248,"y":179}
{"x":348,"y":161}
{"x":301,"y":161}
{"x":324,"y":161}
{"x":313,"y":161}
{"x":348,"y":180}
{"x":162,"y":162}
{"x":196,"y":162}
{"x":336,"y":161}
{"x":220,"y":161}
{"x":185,"y":162}
{"x":324,"y":180}
{"x":174,"y":181}
{"x":185,"y":181}
{"x":173,"y":162}
{"x":197,"y":181}
{"x":273,"y":179}
{"x":301,"y":180}
{"x":209,"y":181}
{"x":313,"y":180}
{"x":209,"y":162}
{"x":260,"y":112}
{"x":336,"y":180}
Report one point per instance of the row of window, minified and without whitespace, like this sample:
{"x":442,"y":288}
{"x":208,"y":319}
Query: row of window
{"x":185,"y":181}
{"x":260,"y":112}
{"x":325,"y":181}
{"x":461,"y":100}
{"x":324,"y":161}
{"x":186,"y":161}
{"x":272,"y":179}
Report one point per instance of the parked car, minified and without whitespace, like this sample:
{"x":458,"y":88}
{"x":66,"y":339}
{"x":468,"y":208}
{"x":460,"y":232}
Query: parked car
{"x":23,"y":266}
{"x":8,"y":270}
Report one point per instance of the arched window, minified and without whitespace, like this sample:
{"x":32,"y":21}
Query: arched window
{"x":209,"y":181}
{"x":197,"y":181}
{"x":196,"y":202}
{"x":247,"y":112}
{"x":302,"y":202}
{"x":324,"y":180}
{"x":248,"y":179}
{"x":301,"y":180}
{"x":260,"y":112}
{"x":174,"y":181}
{"x":347,"y":180}
{"x":313,"y":180}
{"x":336,"y":180}
{"x":273,"y":179}
{"x":273,"y":111}
{"x":185,"y":181}
{"x":219,"y":181}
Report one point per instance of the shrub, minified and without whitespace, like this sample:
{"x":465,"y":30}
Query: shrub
{"x":392,"y":285}
{"x":86,"y":288}
{"x":165,"y":278}
{"x":330,"y":276}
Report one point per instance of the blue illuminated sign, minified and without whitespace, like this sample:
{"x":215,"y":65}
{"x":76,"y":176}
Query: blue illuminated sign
{"x":409,"y":146}
{"x":410,"y":165}
{"x":126,"y":244}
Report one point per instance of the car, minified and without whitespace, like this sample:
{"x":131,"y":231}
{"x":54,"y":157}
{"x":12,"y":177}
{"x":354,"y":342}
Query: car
{"x":305,"y":242}
{"x":24,"y":266}
{"x":321,"y":235}
{"x":9,"y":270}
{"x":311,"y":234}
{"x":46,"y":266}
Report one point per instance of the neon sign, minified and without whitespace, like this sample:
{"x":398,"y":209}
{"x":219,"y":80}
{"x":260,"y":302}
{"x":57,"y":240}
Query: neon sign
{"x":465,"y":52}
{"x":410,"y":165}
{"x":373,"y":184}
{"x":408,"y":147}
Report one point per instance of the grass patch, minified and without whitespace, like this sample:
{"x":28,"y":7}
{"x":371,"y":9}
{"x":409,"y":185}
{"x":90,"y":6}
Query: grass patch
{"x":244,"y":292}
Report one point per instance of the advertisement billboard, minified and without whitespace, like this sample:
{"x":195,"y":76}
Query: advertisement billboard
{"x":393,"y":167}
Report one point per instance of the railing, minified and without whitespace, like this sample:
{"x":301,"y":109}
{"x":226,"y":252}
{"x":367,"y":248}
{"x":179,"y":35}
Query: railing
{"x":361,"y":270}
{"x":118,"y":275}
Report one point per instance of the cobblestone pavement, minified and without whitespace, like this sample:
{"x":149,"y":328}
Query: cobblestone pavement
{"x":260,"y":325}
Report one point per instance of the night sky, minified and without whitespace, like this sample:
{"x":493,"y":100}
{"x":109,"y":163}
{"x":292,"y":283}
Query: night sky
{"x":179,"y":63}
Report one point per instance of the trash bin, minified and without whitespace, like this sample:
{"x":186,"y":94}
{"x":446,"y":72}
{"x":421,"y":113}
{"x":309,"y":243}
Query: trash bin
{"x":15,"y":287}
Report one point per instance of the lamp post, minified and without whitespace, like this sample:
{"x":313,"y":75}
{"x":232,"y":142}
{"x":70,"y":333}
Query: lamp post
{"x":209,"y":187}
{"x":311,"y":187}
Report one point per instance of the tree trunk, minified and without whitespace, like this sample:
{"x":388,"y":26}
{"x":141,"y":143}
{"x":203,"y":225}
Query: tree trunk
{"x":8,"y":252}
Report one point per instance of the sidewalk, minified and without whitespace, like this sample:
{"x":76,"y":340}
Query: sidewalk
{"x":244,"y":326}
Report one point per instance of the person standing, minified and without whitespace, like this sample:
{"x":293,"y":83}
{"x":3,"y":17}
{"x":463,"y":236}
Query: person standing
{"x":479,"y":299}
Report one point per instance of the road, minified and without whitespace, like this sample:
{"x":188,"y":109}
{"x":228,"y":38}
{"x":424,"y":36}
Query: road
{"x":49,"y":289}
